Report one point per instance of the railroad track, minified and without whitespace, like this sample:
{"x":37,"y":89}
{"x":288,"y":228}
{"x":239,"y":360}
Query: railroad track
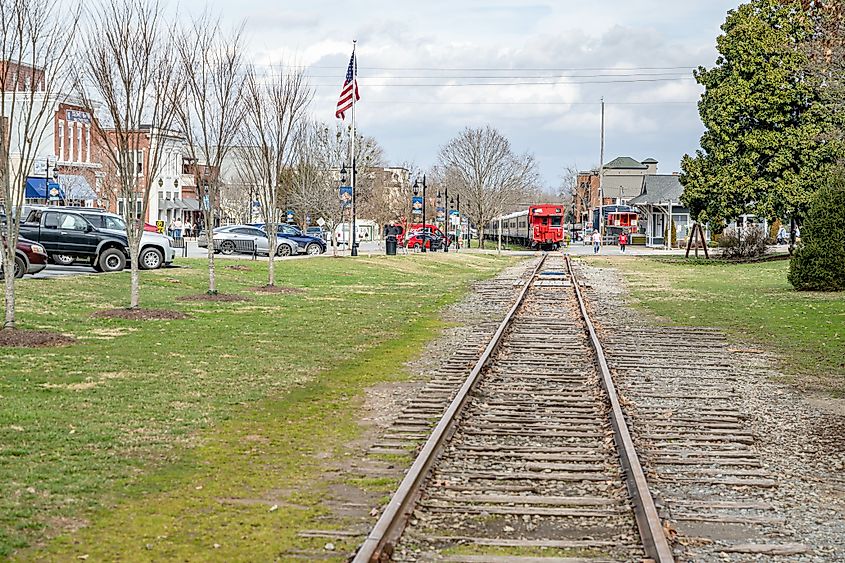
{"x":532,"y":459}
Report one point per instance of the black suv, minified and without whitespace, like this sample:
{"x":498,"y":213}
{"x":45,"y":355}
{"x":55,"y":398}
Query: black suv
{"x":65,"y":232}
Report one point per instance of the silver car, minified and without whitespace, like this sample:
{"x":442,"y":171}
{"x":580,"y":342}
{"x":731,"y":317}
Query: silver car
{"x":225,"y":239}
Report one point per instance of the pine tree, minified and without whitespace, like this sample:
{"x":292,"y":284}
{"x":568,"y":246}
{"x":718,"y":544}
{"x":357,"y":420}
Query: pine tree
{"x":818,"y":263}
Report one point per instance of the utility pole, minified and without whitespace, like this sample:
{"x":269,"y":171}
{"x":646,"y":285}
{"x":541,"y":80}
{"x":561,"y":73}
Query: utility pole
{"x":601,"y":176}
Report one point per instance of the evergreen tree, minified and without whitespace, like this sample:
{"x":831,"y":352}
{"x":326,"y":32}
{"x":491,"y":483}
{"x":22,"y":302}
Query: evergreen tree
{"x":819,"y":261}
{"x":762,"y":151}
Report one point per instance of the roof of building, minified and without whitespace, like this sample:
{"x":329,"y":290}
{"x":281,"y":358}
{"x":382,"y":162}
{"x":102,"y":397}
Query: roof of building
{"x":659,"y":188}
{"x":625,"y":163}
{"x":650,"y":161}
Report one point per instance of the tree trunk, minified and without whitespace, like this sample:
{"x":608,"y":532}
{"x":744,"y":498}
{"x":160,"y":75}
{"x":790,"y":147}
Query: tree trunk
{"x":212,"y":280}
{"x":791,"y":235}
{"x":9,"y":273}
{"x":135,"y":275}
{"x":481,"y":237}
{"x":271,"y":269}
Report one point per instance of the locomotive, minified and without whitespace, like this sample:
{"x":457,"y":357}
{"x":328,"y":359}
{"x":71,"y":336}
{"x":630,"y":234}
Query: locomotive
{"x":538,"y":227}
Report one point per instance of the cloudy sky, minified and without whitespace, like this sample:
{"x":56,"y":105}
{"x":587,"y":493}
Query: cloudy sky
{"x":535,"y":70}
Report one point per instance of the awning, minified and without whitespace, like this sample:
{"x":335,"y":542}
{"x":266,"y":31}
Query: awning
{"x":192,"y":204}
{"x":37,"y":188}
{"x":77,"y":187}
{"x":165,"y":204}
{"x":180,"y":203}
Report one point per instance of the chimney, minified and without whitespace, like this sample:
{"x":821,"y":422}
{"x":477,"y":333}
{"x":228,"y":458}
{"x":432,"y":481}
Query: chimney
{"x":652,"y":165}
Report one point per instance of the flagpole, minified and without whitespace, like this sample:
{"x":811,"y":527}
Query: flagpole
{"x":352,"y":158}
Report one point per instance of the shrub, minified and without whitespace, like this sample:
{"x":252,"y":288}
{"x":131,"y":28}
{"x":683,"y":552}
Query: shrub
{"x":818,"y":263}
{"x":743,"y":243}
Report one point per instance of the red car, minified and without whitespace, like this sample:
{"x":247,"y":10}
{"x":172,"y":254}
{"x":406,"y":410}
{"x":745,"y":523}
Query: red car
{"x":30,"y":258}
{"x":417,"y":227}
{"x":432,"y":241}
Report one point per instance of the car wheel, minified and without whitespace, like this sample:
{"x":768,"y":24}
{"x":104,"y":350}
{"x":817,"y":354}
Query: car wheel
{"x":62,"y":259}
{"x":283,"y":250}
{"x":313,"y":249}
{"x":20,"y":267}
{"x":151,"y":259}
{"x":227,"y":247}
{"x":111,"y":260}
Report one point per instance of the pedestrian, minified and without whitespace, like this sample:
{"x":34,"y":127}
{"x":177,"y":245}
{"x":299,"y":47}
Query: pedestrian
{"x":596,"y":242}
{"x":781,"y":238}
{"x":187,"y":228}
{"x":177,"y":228}
{"x":623,"y":241}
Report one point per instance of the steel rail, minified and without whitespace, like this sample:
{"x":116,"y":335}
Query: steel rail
{"x":389,"y":526}
{"x":648,"y":521}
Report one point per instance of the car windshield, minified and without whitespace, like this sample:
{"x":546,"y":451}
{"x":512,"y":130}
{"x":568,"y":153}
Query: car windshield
{"x":289,"y":230}
{"x":114,"y":223}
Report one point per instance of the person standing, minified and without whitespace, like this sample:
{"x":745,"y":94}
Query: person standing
{"x":187,"y":228}
{"x":177,"y":228}
{"x":596,"y":242}
{"x":623,"y":241}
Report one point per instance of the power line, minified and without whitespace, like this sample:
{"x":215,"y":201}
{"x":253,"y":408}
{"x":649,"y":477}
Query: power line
{"x":547,"y":83}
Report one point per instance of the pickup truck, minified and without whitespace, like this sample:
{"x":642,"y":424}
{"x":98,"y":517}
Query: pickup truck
{"x":63,"y":232}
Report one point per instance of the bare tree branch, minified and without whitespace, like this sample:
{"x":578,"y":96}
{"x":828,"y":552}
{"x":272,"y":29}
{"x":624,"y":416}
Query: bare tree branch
{"x":37,"y":41}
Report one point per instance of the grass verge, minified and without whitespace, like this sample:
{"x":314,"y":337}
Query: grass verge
{"x":751,"y":302}
{"x":201,"y":438}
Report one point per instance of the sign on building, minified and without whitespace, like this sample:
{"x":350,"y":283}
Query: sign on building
{"x":78,"y":116}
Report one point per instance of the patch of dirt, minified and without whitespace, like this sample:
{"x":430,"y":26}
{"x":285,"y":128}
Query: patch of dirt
{"x":22,"y":338}
{"x":215,"y":297}
{"x":139,"y":314}
{"x":277,"y":289}
{"x":238,"y":268}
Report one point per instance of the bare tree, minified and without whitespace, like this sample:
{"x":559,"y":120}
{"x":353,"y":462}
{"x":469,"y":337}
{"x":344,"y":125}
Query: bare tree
{"x":128,"y":69}
{"x":320,"y":153}
{"x":211,"y":110}
{"x":274,"y":113}
{"x":482,"y":167}
{"x":36,"y":43}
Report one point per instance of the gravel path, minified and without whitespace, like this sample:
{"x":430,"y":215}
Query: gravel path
{"x":778,"y":492}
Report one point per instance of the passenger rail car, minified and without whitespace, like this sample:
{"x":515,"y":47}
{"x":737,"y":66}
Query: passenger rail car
{"x":539,"y":227}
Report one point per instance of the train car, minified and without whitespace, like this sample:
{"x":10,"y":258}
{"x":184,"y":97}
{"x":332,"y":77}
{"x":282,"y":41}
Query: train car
{"x":538,"y":227}
{"x":617,"y":218}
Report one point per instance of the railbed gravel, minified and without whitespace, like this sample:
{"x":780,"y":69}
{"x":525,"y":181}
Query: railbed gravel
{"x":799,"y":439}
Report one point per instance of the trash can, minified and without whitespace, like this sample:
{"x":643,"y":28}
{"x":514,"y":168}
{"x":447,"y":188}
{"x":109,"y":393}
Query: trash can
{"x":390,"y":245}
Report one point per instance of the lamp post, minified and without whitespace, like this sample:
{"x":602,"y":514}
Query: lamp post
{"x":416,"y":192}
{"x":438,"y":203}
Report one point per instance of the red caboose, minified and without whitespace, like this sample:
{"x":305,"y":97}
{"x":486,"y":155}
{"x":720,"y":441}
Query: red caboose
{"x":546,"y":224}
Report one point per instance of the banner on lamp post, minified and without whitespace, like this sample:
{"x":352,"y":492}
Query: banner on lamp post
{"x":441,"y":214}
{"x":345,"y":195}
{"x":417,"y":205}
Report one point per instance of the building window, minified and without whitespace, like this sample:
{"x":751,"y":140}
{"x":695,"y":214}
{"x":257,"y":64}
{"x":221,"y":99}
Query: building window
{"x":79,"y":127}
{"x":70,"y":127}
{"x":61,"y":140}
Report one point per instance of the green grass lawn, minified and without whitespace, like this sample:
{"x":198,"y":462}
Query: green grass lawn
{"x":752,"y":302}
{"x":162,"y":439}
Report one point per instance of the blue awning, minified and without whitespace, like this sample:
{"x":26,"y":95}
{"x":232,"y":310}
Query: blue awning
{"x":37,"y":188}
{"x":77,"y":188}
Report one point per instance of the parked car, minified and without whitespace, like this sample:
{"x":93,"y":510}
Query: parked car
{"x":227,"y":237}
{"x":318,"y":232}
{"x":307,"y":244}
{"x":66,"y":232}
{"x":432,"y":241}
{"x":30,"y":258}
{"x":156,"y":250}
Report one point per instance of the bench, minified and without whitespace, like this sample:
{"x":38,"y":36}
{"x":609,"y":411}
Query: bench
{"x":236,"y":246}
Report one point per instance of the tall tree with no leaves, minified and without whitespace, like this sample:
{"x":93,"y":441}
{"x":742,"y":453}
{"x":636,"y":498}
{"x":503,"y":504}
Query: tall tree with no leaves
{"x":275,"y":110}
{"x":481,"y":165}
{"x":320,"y":152}
{"x":36,"y":44}
{"x":210,"y":110}
{"x":128,"y":70}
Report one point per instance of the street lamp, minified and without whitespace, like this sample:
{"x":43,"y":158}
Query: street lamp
{"x":416,"y":192}
{"x":437,"y":208}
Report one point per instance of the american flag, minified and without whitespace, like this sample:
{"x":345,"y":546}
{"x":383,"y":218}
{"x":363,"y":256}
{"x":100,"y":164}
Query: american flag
{"x":351,"y":82}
